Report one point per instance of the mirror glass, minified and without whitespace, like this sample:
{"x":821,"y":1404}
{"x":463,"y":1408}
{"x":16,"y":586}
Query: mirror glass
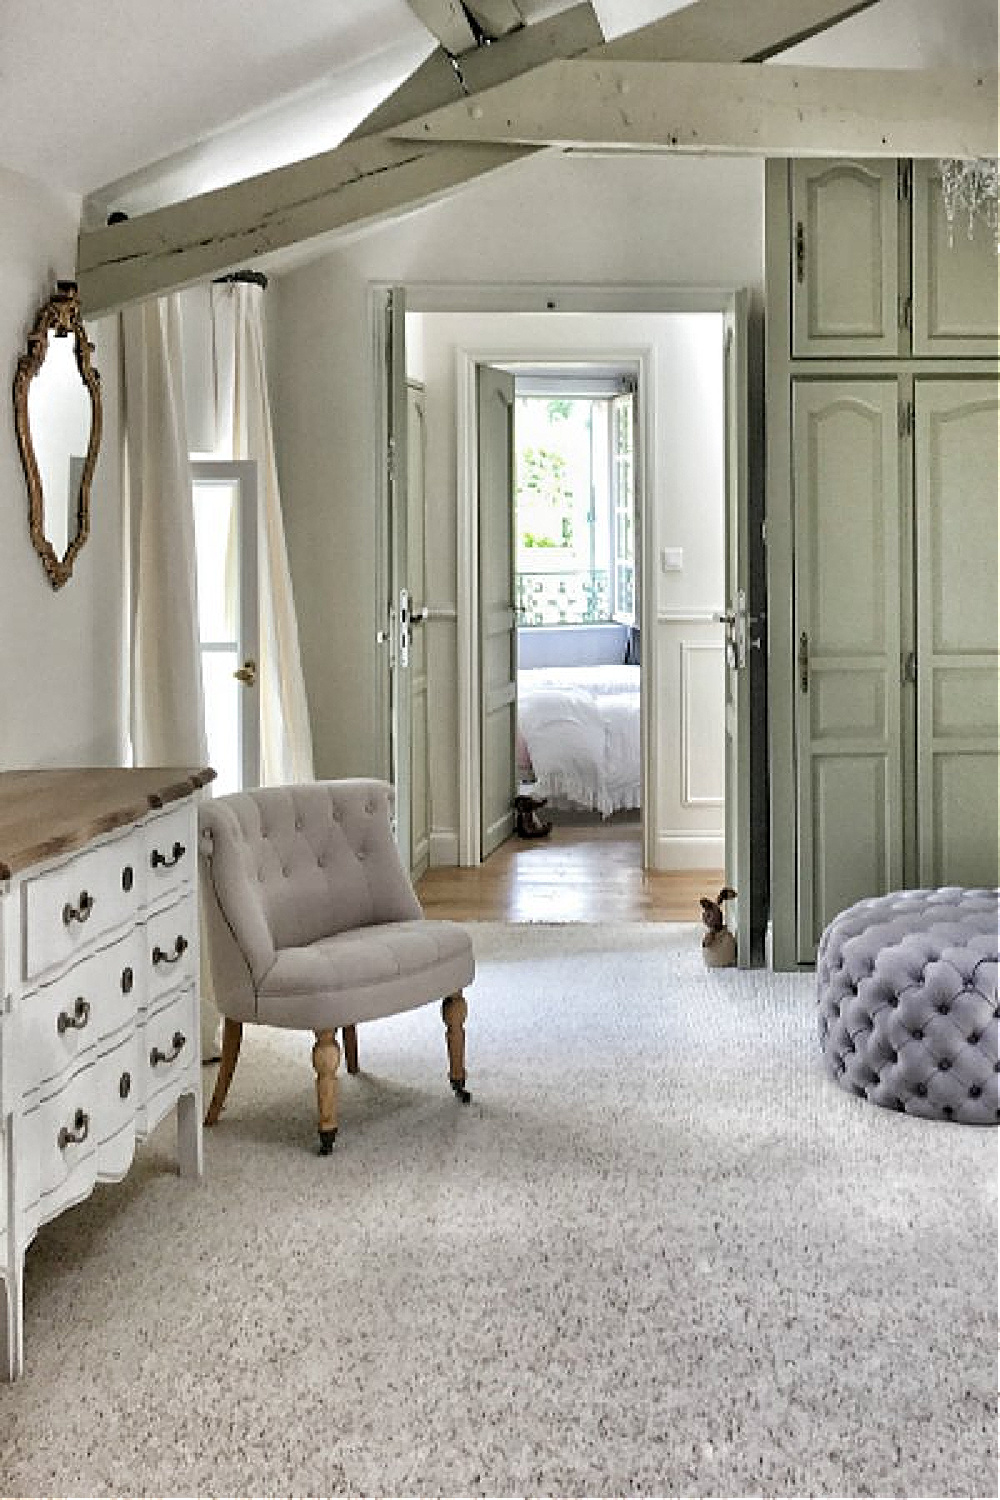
{"x":57,"y":416}
{"x":59,"y":419}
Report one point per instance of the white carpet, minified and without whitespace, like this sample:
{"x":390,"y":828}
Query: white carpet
{"x":659,"y":1254}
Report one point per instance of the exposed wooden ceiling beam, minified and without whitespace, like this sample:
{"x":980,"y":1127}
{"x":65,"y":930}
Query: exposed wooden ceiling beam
{"x":731,"y":30}
{"x":495,"y":17}
{"x":728,"y":108}
{"x":187,"y":242}
{"x":446,"y":20}
{"x":367,"y":178}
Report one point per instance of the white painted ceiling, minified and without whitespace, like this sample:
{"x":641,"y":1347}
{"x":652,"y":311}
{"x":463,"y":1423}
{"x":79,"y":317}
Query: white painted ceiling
{"x":153,"y":100}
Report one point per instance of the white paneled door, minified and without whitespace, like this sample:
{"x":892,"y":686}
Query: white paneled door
{"x":497,"y":617}
{"x":420,"y":811}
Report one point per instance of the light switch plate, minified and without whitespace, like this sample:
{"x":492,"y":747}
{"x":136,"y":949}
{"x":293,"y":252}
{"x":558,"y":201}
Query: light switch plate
{"x":672,"y":559}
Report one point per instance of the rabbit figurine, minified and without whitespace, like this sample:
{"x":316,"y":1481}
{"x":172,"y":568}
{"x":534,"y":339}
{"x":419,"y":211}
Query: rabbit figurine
{"x":718,"y":946}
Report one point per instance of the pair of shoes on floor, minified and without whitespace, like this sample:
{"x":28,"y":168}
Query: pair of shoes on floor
{"x":527,"y":823}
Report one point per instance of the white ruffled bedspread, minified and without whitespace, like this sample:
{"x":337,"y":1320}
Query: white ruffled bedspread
{"x":580,"y":733}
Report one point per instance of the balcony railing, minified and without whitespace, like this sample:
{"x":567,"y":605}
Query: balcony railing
{"x":580,"y":597}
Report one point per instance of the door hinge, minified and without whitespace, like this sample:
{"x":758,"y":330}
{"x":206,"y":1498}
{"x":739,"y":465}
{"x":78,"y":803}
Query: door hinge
{"x":904,"y":178}
{"x":390,"y":460}
{"x":803,"y":662}
{"x":800,"y":252}
{"x":907,"y":419}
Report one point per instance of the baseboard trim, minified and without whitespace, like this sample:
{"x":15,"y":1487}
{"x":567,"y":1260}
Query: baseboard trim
{"x":690,"y":851}
{"x":443,"y":847}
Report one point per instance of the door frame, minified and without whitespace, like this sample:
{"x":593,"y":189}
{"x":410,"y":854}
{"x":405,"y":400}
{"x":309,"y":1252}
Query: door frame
{"x":468,"y":361}
{"x":538,"y":297}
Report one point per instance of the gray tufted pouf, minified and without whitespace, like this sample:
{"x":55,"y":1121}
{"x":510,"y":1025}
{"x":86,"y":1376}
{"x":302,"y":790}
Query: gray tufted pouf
{"x":907,"y":989}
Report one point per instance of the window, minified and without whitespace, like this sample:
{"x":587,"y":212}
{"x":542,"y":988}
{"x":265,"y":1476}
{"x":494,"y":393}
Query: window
{"x":575,"y":502}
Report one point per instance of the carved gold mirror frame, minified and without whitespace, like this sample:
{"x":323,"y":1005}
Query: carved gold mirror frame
{"x":61,"y":317}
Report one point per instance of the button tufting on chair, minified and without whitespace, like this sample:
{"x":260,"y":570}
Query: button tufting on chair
{"x":928,"y":1010}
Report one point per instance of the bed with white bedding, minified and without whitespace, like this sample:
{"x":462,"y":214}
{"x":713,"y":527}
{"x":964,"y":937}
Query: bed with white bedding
{"x":578,"y":735}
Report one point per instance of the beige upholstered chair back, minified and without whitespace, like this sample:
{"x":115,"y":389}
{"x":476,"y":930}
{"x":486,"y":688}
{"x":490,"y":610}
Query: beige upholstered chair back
{"x":289,"y":865}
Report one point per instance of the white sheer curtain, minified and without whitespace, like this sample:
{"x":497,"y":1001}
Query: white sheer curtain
{"x":167,"y":711}
{"x":243,"y":431}
{"x":167,"y":716}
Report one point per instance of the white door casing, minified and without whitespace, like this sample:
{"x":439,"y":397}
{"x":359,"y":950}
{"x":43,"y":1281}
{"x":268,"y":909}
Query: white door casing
{"x":226,"y":522}
{"x":497,"y":616}
{"x":417,"y":559}
{"x":744,"y":658}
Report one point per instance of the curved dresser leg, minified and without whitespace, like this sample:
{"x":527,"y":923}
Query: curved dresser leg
{"x":232,"y":1036}
{"x":326,"y":1060}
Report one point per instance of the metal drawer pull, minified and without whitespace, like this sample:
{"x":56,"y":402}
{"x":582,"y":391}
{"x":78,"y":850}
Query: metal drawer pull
{"x":128,"y":979}
{"x":81,"y":911}
{"x":128,"y":879}
{"x":78,"y":1020}
{"x":158,"y":1056}
{"x":80,"y":1131}
{"x":125,"y":1085}
{"x":168,"y":860}
{"x":160,"y":956}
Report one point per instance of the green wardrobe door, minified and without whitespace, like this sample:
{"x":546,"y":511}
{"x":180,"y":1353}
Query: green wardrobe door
{"x":956,"y":539}
{"x":847,"y":633}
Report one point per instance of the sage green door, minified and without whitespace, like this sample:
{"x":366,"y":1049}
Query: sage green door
{"x":849,"y":824}
{"x":955,"y":464}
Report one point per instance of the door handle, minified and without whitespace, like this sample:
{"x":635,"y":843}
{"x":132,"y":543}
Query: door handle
{"x":247,"y":674}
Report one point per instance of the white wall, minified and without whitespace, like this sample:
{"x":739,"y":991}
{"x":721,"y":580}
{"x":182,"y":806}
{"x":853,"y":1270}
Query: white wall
{"x":558,"y":221}
{"x":60,"y":651}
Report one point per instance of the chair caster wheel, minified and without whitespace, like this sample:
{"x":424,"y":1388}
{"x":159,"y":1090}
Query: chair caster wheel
{"x":326,"y":1140}
{"x":461,"y":1092}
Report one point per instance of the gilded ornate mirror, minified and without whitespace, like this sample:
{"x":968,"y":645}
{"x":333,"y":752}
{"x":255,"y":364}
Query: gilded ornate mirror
{"x":57,"y":415}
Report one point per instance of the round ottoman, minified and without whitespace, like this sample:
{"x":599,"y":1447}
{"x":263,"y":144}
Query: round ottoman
{"x":907,"y":989}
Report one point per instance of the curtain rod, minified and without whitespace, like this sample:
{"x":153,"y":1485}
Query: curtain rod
{"x":253,"y":278}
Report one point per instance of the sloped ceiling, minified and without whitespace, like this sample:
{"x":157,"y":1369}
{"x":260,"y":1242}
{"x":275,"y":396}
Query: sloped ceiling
{"x":147,"y":102}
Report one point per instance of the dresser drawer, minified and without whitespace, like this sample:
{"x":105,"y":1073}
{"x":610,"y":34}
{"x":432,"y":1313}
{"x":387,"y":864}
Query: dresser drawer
{"x":169,"y":851}
{"x":170,"y":948}
{"x":168,"y":1045}
{"x":57,"y":1162}
{"x":117,"y":1080}
{"x":60,"y":1023}
{"x":68,"y":907}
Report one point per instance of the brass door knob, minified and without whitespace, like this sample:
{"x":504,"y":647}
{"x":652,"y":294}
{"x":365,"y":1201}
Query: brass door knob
{"x":247,"y":674}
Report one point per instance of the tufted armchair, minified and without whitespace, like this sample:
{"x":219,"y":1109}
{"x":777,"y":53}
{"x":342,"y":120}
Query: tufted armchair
{"x":312,"y":923}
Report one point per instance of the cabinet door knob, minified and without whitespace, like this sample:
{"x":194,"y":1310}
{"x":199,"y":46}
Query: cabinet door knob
{"x":77,"y":1021}
{"x":157,"y":1055}
{"x":80,"y":912}
{"x":79,"y":1132}
{"x":167,"y":861}
{"x":161,"y":956}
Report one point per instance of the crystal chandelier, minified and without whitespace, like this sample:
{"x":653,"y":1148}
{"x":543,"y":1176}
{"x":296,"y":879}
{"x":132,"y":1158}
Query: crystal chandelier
{"x":969,"y":189}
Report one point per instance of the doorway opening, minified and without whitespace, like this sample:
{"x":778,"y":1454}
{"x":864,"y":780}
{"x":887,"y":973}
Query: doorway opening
{"x":576,"y":588}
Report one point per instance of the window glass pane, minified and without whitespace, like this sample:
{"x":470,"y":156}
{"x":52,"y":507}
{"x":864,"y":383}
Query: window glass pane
{"x":222,"y":718}
{"x":215,"y":516}
{"x":563,"y":519}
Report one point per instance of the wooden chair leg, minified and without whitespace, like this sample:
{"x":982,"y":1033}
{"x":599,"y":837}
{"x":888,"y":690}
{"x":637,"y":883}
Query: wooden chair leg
{"x":454,"y":1009}
{"x":350,"y":1038}
{"x":326,"y":1060}
{"x":232,"y":1036}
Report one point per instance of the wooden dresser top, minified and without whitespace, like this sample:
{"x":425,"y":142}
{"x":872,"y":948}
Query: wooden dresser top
{"x":47,"y":813}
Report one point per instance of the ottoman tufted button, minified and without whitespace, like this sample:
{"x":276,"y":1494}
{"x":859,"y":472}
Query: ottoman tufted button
{"x":975,"y":1091}
{"x":944,"y":1064}
{"x":917,"y":1035}
{"x":947,"y":1111}
{"x":944,"y":1009}
{"x":972,"y":1038}
{"x":921,"y":1089}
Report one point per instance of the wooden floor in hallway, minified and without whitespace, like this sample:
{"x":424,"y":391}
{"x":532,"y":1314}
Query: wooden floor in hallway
{"x":582,"y":872}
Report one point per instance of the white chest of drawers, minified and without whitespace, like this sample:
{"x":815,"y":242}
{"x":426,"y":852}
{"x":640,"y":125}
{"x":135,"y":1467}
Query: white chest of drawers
{"x":99,"y":1004}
